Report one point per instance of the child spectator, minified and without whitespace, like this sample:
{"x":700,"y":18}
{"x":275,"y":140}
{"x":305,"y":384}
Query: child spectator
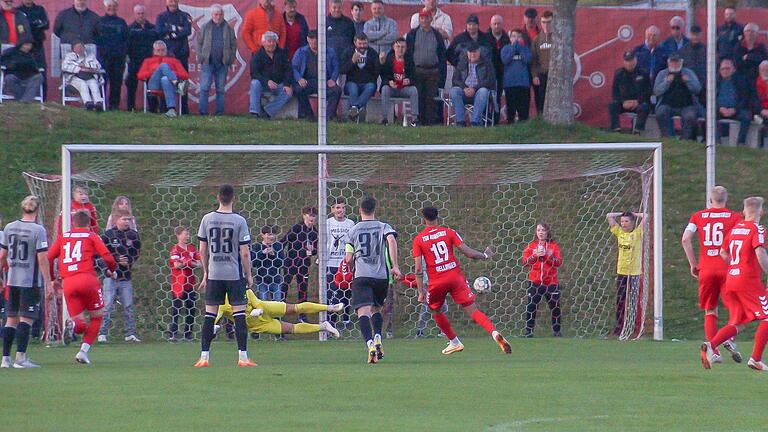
{"x":184,"y":260}
{"x":122,"y":203}
{"x":80,"y":201}
{"x":267,"y":262}
{"x":516,"y":58}
{"x":628,"y":229}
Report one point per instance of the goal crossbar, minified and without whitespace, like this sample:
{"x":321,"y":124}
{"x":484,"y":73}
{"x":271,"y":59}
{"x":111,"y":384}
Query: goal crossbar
{"x":321,"y":150}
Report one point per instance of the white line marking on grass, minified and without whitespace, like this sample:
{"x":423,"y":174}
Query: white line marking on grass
{"x":520,"y":425}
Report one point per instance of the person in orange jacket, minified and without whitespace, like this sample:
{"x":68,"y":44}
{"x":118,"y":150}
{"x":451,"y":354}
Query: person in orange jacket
{"x":164,"y":73}
{"x":542,"y":257}
{"x":259,"y":20}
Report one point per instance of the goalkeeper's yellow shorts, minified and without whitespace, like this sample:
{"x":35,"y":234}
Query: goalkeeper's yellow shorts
{"x":267,"y":322}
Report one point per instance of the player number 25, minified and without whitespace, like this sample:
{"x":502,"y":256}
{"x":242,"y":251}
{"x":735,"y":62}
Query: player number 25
{"x":735,"y":255}
{"x":713,"y":234}
{"x":73,"y":253}
{"x":440,"y":249}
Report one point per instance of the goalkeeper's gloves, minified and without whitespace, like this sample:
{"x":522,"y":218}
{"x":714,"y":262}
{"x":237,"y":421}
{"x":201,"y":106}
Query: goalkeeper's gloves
{"x":256,"y":312}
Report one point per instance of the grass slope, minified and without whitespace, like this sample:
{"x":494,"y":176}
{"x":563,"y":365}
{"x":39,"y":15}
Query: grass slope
{"x":31,"y":139}
{"x":545,"y":385}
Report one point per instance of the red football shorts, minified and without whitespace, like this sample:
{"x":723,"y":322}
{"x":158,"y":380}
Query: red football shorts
{"x":746,"y":306}
{"x":455,"y":285}
{"x":710,"y":286}
{"x":82,"y":291}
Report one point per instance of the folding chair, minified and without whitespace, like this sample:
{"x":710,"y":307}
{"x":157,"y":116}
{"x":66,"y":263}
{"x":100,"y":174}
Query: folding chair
{"x":65,"y":97}
{"x":160,"y":97}
{"x":489,"y":115}
{"x":3,"y":72}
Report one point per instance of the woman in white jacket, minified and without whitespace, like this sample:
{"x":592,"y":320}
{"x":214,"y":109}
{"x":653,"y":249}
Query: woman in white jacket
{"x":81,"y":71}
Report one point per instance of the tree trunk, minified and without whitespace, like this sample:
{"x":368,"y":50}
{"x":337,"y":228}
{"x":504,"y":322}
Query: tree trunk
{"x":558,"y":105}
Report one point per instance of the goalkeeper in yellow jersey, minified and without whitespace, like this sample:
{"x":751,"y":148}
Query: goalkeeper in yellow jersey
{"x":261,"y":316}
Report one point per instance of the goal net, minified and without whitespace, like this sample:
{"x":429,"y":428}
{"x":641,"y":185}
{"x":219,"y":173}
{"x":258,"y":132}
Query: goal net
{"x":493,"y":195}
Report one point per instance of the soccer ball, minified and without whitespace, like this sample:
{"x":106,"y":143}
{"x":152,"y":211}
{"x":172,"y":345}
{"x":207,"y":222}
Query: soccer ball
{"x":482,"y":284}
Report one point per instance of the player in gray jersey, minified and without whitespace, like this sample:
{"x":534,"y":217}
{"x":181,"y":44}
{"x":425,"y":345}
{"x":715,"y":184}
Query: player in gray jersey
{"x":369,"y":244}
{"x":225,"y":251}
{"x":23,"y":246}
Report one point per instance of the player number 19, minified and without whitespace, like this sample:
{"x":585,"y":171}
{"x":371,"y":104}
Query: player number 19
{"x":72,"y":253}
{"x":713,"y":234}
{"x":735,"y":255}
{"x":440,"y":249}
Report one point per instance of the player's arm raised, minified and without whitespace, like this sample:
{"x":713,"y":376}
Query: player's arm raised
{"x":392,"y":248}
{"x":687,"y":242}
{"x":475,"y":254}
{"x":611,"y":218}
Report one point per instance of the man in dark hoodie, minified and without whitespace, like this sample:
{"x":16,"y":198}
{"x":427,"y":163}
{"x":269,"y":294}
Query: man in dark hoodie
{"x":458,"y":47}
{"x":300,"y":245}
{"x":695,"y":58}
{"x":23,"y":77}
{"x":38,"y":22}
{"x":340,"y":30}
{"x":174,"y":27}
{"x":141,"y":35}
{"x":111,"y":35}
{"x":77,"y":23}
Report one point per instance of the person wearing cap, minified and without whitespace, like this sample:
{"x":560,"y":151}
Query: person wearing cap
{"x":676,"y":40}
{"x":472,"y":34}
{"x":441,"y":21}
{"x":361,"y":64}
{"x":380,"y":29}
{"x":729,"y":34}
{"x":631,"y":93}
{"x":22,"y":74}
{"x":651,"y":58}
{"x":473,"y":81}
{"x":734,"y":98}
{"x":530,"y":28}
{"x":271,"y":73}
{"x":694,"y":57}
{"x":516,"y":59}
{"x":304,"y":65}
{"x":541,"y":49}
{"x":425,"y":49}
{"x":676,"y":88}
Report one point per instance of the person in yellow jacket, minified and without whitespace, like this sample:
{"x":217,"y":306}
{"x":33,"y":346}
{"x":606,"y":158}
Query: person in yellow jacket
{"x":262,"y":316}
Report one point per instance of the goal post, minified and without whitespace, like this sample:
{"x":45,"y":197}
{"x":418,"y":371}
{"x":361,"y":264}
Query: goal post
{"x":598,"y":172}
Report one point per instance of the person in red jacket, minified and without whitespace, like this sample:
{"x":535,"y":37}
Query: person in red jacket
{"x":542,"y":257}
{"x":80,"y":201}
{"x":184,"y":260}
{"x":164,"y":74}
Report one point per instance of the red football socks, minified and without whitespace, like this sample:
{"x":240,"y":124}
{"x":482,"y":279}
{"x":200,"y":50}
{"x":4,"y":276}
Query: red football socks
{"x":484,"y":322}
{"x":761,"y":337}
{"x":723,"y":335}
{"x":710,"y":328}
{"x":80,"y":326}
{"x":445,"y":326}
{"x":92,"y":331}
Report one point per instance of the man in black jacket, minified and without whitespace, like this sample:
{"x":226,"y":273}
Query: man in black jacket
{"x":340,"y":29}
{"x":694,"y":57}
{"x":77,"y":23}
{"x":22,"y":76}
{"x":270,"y":73}
{"x":425,"y":48}
{"x":461,"y":42}
{"x":111,"y":35}
{"x":300,"y":245}
{"x":473,"y":81}
{"x":499,"y":39}
{"x":125,"y":246}
{"x":174,"y":27}
{"x":141,"y":35}
{"x":361,"y":65}
{"x":397,"y":79}
{"x":38,"y":22}
{"x":631,"y":93}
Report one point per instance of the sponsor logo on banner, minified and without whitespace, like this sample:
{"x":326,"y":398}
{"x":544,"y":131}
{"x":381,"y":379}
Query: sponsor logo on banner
{"x":200,"y":16}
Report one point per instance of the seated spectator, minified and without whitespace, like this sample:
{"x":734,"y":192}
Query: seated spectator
{"x":216,"y":51}
{"x":296,"y":28}
{"x":426,"y":48}
{"x":733,"y":97}
{"x":164,"y":74}
{"x":651,"y":58}
{"x":272,"y":74}
{"x":463,"y":40}
{"x":141,"y":35}
{"x":473,"y":81}
{"x":184,"y":260}
{"x":267,"y":262}
{"x":259,"y":20}
{"x":631,"y":93}
{"x":397,"y":74}
{"x":676,"y":88}
{"x":174,"y":26}
{"x":81,"y":71}
{"x":762,"y":90}
{"x":516,"y":58}
{"x":381,"y":30}
{"x":750,"y":53}
{"x":676,"y":40}
{"x":304,"y":67}
{"x":22,"y":73}
{"x":14,"y":24}
{"x":694,"y":57}
{"x":361,"y":65}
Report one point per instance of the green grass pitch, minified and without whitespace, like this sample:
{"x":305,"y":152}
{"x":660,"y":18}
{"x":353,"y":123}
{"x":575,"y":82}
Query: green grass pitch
{"x":544,"y":385}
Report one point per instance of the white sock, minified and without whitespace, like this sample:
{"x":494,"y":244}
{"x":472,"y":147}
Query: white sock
{"x":243,"y":355}
{"x":6,"y":358}
{"x":377,"y":337}
{"x":85,"y":347}
{"x":204,"y":355}
{"x":369,"y":343}
{"x":493,"y":335}
{"x":455,"y":341}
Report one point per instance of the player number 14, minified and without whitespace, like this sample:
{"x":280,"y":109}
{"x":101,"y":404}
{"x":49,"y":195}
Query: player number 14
{"x":73,"y":253}
{"x":713,"y":234}
{"x":440,"y":249}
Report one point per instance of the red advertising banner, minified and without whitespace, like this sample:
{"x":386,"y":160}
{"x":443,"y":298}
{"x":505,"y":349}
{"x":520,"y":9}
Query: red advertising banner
{"x":602,"y":34}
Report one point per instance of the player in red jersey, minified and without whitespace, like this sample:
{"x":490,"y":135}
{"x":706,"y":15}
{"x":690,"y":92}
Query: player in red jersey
{"x":80,"y":201}
{"x":711,"y":225}
{"x":745,"y":296}
{"x":435,"y":244}
{"x":76,"y":251}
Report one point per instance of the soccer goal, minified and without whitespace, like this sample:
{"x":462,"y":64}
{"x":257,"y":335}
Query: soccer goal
{"x":492,"y":194}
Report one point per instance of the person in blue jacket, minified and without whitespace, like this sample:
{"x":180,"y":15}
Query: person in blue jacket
{"x":516,"y":58}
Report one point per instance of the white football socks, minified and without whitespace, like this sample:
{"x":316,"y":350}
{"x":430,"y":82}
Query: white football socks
{"x":456,"y":341}
{"x":204,"y":355}
{"x":493,"y":335}
{"x":85,"y":347}
{"x":242,"y":355}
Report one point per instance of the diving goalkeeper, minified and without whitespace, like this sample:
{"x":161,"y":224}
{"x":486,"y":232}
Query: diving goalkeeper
{"x":262,"y":316}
